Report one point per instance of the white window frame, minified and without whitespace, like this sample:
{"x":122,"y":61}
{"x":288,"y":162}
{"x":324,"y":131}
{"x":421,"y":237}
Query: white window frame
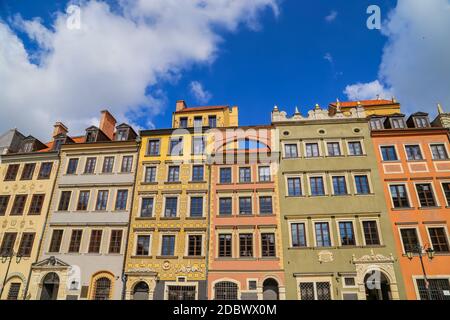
{"x":319,"y":145}
{"x":295,"y":221}
{"x":196,"y":195}
{"x":410,"y":144}
{"x":369,"y":181}
{"x":399,"y":158}
{"x":341,"y":149}
{"x":363,"y":149}
{"x":428,"y":226}
{"x":330,"y":230}
{"x":194,"y":233}
{"x":163,"y":213}
{"x":408,"y":194}
{"x":302,"y":184}
{"x":355,"y":233}
{"x":347,"y":186}
{"x":380,"y":234}
{"x":325,"y":187}
{"x":167,"y":233}
{"x":141,"y":197}
{"x":436,"y":198}
{"x":150,"y":243}
{"x":400,"y":228}
{"x":438,"y":143}
{"x":296,"y":142}
{"x":144,"y":173}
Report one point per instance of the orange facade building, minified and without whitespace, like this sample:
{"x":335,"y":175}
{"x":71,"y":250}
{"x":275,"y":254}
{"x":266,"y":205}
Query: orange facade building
{"x":414,"y":165}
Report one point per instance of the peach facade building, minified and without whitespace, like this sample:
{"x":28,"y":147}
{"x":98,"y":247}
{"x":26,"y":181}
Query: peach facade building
{"x":414,"y":165}
{"x":245,"y":251}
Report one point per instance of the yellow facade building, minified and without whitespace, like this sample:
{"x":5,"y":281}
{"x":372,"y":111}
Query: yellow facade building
{"x":167,"y":245}
{"x":27,"y":178}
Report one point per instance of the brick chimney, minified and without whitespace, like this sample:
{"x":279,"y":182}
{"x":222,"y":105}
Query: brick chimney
{"x":181,"y":104}
{"x":59,"y":128}
{"x":107,"y":124}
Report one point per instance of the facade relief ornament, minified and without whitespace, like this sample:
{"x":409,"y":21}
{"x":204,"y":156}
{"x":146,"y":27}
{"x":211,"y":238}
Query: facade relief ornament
{"x":166,"y":265}
{"x":189,"y":269}
{"x":372,"y":257}
{"x":317,"y":114}
{"x":325,"y":256}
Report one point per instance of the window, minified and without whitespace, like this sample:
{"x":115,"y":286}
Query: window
{"x":245,"y":245}
{"x":421,"y":122}
{"x":436,"y":287}
{"x":370,"y":230}
{"x":315,"y":291}
{"x":4,"y":200}
{"x":95,"y":241}
{"x":121,"y":200}
{"x":18,"y":205}
{"x":439,"y":152}
{"x":72,"y":166}
{"x":45,"y":170}
{"x":346,"y":233}
{"x":75,"y":241}
{"x":55,"y":242}
{"x":265,"y":205}
{"x":153,"y":148}
{"x":339,"y":185}
{"x":37,"y":201}
{"x":413,"y":152}
{"x":143,"y":245}
{"x":316,"y":185}
{"x":388,"y":153}
{"x":122,"y":135}
{"x":108,"y":164}
{"x":362,"y":184}
{"x":83,"y":201}
{"x":90,"y":165}
{"x":290,"y":150}
{"x":225,"y":175}
{"x":127,"y":164}
{"x":334,"y":150}
{"x":196,"y":207}
{"x":397,"y":123}
{"x":102,"y":289}
{"x":264,"y":174}
{"x":115,"y":243}
{"x":376,"y":124}
{"x":294,"y":187}
{"x":225,"y":245}
{"x":64,"y":201}
{"x":438,"y":239}
{"x":445,"y":186}
{"x":225,"y":290}
{"x":174,"y":174}
{"x":245,"y":205}
{"x":150,"y":175}
{"x":298,"y":235}
{"x":28,"y":170}
{"x":198,"y":145}
{"x":11,"y":173}
{"x":9,"y":239}
{"x":212,"y":120}
{"x":245,"y":175}
{"x":252,"y":284}
{"x":171,"y":207}
{"x":26,"y":244}
{"x":268,"y":245}
{"x":183,"y":122}
{"x":349,"y":281}
{"x":194,"y":245}
{"x":354,"y":148}
{"x":181,"y":292}
{"x":425,"y":194}
{"x":312,"y":150}
{"x":147,"y":207}
{"x":102,"y":200}
{"x":14,"y":290}
{"x":91,"y":136}
{"x":323,"y":238}
{"x":176,"y":146}
{"x":198,"y":122}
{"x":399,"y":196}
{"x":409,"y":239}
{"x":225,"y":206}
{"x":197,"y":173}
{"x":168,"y":245}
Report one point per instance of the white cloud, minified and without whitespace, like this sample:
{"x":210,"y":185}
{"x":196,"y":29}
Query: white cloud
{"x":367,"y":91}
{"x":331,"y":16}
{"x":201,"y":95}
{"x":328,"y":57}
{"x":416,"y":59}
{"x":112,"y":61}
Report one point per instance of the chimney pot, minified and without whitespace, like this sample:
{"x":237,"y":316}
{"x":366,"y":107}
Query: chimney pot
{"x":181,"y":104}
{"x":107,"y":124}
{"x":59,"y":128}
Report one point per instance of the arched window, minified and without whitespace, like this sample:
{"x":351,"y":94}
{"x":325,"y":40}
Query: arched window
{"x":102,"y":289}
{"x":140,"y":291}
{"x":226,"y":290}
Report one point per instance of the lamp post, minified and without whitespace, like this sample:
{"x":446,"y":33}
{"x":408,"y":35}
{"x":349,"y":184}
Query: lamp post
{"x":4,"y":259}
{"x":419,"y":251}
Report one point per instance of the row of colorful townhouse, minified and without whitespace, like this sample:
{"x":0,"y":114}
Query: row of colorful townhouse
{"x":351,"y":202}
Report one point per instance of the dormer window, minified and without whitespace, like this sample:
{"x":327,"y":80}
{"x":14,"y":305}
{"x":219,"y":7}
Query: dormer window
{"x":421,"y":122}
{"x":376,"y":124}
{"x":122,"y":135}
{"x":397,"y":123}
{"x":27,"y":147}
{"x":57,"y":144}
{"x":90,"y":136}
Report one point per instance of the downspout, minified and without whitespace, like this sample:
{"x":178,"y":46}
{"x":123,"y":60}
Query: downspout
{"x":208,"y":227}
{"x":124,"y":277}
{"x":41,"y":241}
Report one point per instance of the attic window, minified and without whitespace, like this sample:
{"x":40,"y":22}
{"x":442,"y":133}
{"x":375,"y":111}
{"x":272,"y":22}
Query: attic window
{"x":421,"y":122}
{"x":397,"y":123}
{"x":122,"y":135}
{"x":376,"y":124}
{"x":90,"y":136}
{"x":57,"y":144}
{"x":27,"y":146}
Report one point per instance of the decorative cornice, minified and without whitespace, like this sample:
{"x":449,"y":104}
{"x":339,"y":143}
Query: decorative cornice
{"x":317,"y":114}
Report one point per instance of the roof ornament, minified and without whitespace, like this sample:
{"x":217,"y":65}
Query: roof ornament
{"x":297,"y":112}
{"x":317,"y":107}
{"x":440,"y":110}
{"x":338,"y":105}
{"x":275,"y":108}
{"x":394,"y":100}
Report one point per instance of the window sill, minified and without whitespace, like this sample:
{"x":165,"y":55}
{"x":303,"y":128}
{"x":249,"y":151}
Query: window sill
{"x":430,"y":208}
{"x":145,"y":218}
{"x":166,"y":257}
{"x":196,"y":218}
{"x":197,"y":181}
{"x":152,"y":155}
{"x":141,"y":257}
{"x":149,"y":183}
{"x":172,"y":182}
{"x":403,"y":209}
{"x":244,"y":215}
{"x":224,"y":184}
{"x":225,"y":216}
{"x":169,"y":218}
{"x":269,"y":259}
{"x":266,"y":215}
{"x":194,"y":257}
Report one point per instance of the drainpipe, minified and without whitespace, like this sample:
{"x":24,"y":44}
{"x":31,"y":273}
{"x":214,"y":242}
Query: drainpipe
{"x":41,"y":241}
{"x":208,"y":227}
{"x":124,"y":277}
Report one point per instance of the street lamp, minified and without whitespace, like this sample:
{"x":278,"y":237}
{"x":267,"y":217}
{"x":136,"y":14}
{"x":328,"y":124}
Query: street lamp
{"x":5,"y":256}
{"x":419,"y":251}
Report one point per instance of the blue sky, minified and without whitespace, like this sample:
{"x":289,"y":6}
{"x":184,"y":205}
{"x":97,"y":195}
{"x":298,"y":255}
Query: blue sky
{"x":296,"y":57}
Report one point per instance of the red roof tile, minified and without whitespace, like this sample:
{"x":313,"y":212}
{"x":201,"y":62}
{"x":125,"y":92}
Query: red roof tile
{"x":380,"y":102}
{"x":201,"y":108}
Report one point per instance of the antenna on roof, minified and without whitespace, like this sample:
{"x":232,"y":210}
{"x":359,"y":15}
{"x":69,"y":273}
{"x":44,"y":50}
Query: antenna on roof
{"x":440,"y":110}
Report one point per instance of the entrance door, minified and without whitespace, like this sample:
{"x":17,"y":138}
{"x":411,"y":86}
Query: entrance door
{"x":140,"y":291}
{"x":270,"y":289}
{"x":50,"y":287}
{"x":377,"y":286}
